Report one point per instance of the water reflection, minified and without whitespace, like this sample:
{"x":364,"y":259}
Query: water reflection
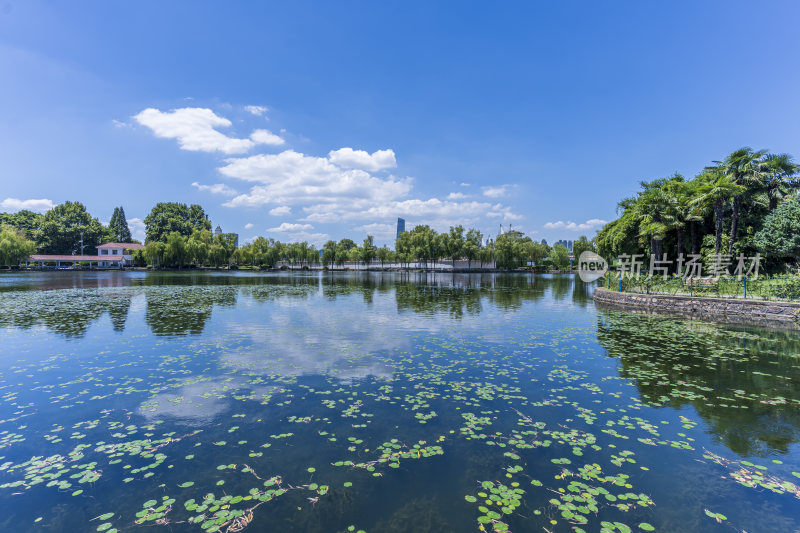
{"x":744,"y":383}
{"x":182,"y":303}
{"x":69,"y":313}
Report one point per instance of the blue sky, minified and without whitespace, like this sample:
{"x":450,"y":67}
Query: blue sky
{"x":300,"y":120}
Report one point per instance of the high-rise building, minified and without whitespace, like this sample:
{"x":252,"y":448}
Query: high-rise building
{"x":218,"y":231}
{"x":401,"y":227}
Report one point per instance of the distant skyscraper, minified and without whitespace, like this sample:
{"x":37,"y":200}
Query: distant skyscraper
{"x":218,"y":231}
{"x":401,"y":227}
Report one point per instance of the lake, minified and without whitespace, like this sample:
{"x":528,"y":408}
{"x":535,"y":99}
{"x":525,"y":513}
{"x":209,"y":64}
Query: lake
{"x":133,"y":401}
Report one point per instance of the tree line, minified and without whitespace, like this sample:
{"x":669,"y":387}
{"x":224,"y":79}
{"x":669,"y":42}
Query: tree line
{"x":746,"y":204}
{"x":179,"y":235}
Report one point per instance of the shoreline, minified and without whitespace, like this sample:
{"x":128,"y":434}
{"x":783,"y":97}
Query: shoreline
{"x":730,"y":310}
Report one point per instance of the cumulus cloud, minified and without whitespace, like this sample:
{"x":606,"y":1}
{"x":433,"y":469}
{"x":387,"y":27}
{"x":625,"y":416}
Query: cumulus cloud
{"x":217,"y":188}
{"x":137,"y":227}
{"x":344,"y":186}
{"x":572,"y":226}
{"x":349,"y":158}
{"x":280,"y":211}
{"x":377,"y":229}
{"x":291,"y":178}
{"x":495,"y":192}
{"x":194,"y":128}
{"x":249,"y":225}
{"x":15,"y":204}
{"x":257,"y":110}
{"x":300,"y":232}
{"x":266,"y":137}
{"x":287,"y":227}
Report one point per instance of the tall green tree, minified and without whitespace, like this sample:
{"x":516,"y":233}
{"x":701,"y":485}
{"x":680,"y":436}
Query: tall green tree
{"x":166,"y":217}
{"x":368,"y":250}
{"x":454,"y":243}
{"x":744,"y":168}
{"x":118,"y":226}
{"x":780,"y":172}
{"x":472,"y":246}
{"x":715,"y":189}
{"x":63,"y":226}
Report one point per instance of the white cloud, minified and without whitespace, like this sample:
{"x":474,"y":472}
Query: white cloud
{"x":572,"y":226}
{"x":495,"y":192}
{"x":137,"y":227}
{"x":300,"y":232}
{"x":249,"y":225}
{"x":280,"y":211}
{"x":464,"y":184}
{"x":456,"y":196}
{"x":256,"y":110}
{"x":266,"y":137}
{"x":194,"y":128}
{"x":15,"y":204}
{"x":292,"y":178}
{"x":288,"y":227}
{"x":377,"y":229}
{"x":349,"y":158}
{"x":217,"y":188}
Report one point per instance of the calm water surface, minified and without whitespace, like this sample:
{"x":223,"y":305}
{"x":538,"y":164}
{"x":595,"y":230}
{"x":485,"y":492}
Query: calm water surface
{"x":384,"y":403}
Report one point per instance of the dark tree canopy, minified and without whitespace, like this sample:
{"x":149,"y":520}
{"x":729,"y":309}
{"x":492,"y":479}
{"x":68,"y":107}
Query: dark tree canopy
{"x":168,"y":217}
{"x":780,"y":236}
{"x":27,"y":221}
{"x":118,"y":226}
{"x":62,"y":227}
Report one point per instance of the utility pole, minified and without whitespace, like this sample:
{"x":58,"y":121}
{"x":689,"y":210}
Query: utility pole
{"x":82,"y":246}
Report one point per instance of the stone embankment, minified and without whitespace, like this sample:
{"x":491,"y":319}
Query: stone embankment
{"x":736,"y":310}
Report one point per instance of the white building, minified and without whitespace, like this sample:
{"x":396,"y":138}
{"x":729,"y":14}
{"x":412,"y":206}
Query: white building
{"x":115,"y":250}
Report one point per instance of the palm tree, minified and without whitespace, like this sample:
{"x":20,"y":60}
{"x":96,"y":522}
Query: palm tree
{"x":745,"y":168}
{"x":653,"y":208}
{"x":716,"y":187}
{"x":781,"y":177}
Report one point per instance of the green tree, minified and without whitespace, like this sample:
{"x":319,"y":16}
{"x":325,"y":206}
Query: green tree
{"x":166,"y":217}
{"x":63,"y":226}
{"x":384,"y":254}
{"x":472,"y":246}
{"x":715,"y":189}
{"x":581,"y":245}
{"x":744,"y":168}
{"x":779,"y":238}
{"x":368,"y":251}
{"x":781,"y":177}
{"x":27,"y":221}
{"x":329,"y":253}
{"x":198,"y":246}
{"x":175,"y":250}
{"x":154,"y":253}
{"x":118,"y":226}
{"x":560,"y":256}
{"x":14,"y":247}
{"x":454,"y":243}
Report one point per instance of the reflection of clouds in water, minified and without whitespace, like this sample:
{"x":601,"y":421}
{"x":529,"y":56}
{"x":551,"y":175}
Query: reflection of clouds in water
{"x":312,"y":339}
{"x":197,"y":402}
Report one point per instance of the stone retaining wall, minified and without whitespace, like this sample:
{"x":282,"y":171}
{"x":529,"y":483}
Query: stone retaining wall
{"x":747,"y":312}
